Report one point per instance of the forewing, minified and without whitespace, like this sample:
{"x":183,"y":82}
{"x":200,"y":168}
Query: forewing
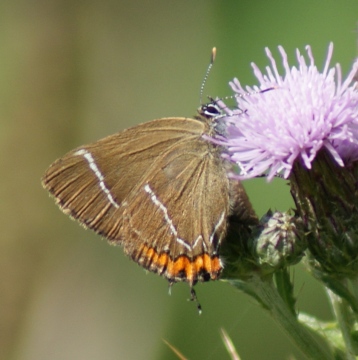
{"x":91,"y":182}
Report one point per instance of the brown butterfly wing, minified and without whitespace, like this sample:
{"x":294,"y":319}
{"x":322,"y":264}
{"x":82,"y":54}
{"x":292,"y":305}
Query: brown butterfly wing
{"x":164,"y":195}
{"x":185,"y":197}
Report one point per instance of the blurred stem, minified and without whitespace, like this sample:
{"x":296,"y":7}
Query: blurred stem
{"x":334,"y":283}
{"x":285,"y":289}
{"x":265,"y":292}
{"x":343,"y":315}
{"x":354,"y":283}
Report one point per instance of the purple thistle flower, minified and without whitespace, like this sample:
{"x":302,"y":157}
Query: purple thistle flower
{"x":306,"y":111}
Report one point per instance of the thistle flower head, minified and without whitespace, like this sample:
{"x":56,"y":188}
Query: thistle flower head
{"x":306,"y":111}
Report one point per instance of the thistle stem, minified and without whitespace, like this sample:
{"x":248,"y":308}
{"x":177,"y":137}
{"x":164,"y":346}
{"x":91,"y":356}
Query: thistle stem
{"x":265,"y":292}
{"x":343,"y":315}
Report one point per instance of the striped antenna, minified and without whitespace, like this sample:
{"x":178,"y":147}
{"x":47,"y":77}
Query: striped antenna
{"x":248,"y":93}
{"x":213,"y":55}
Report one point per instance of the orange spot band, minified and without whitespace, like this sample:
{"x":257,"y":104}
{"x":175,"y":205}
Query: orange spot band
{"x":201,"y":268}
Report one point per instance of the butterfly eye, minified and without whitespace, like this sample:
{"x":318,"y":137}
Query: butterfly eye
{"x":210,"y":110}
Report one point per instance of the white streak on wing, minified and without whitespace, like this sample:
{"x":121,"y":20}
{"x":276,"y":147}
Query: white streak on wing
{"x":218,"y":224}
{"x":204,"y":246}
{"x":181,"y":241}
{"x":196,"y":242}
{"x":92,"y":164}
{"x":169,"y":221}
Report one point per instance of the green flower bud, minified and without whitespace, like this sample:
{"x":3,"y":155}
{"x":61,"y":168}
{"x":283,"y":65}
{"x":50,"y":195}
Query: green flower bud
{"x":279,"y":242}
{"x":276,"y":242}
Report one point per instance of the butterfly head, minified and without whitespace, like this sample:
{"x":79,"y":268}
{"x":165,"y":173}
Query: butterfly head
{"x":210,"y":110}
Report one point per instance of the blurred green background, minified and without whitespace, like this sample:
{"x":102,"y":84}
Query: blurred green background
{"x":74,"y":71}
